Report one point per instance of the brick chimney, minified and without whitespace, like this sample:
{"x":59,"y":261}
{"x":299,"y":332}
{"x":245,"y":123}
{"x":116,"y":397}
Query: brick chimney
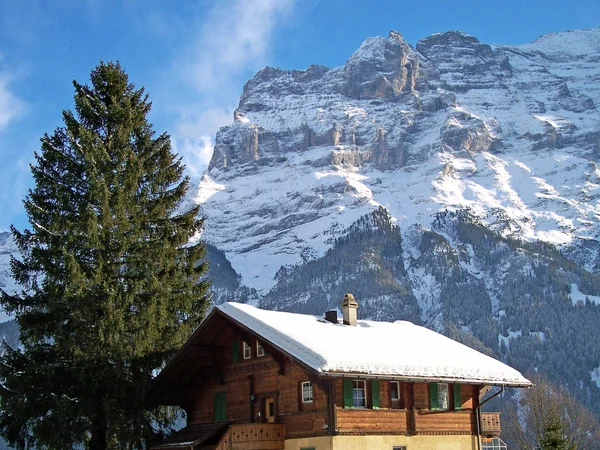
{"x":349,"y":307}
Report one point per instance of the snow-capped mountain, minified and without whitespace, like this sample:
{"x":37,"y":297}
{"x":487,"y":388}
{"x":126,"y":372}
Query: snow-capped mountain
{"x":454,"y":183}
{"x":509,"y":133}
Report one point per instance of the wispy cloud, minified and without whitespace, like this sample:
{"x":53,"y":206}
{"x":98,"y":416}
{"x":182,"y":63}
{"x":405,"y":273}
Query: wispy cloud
{"x":14,"y":167}
{"x":232,"y":42}
{"x":10,"y":105}
{"x":236,"y":36}
{"x":194,"y":138}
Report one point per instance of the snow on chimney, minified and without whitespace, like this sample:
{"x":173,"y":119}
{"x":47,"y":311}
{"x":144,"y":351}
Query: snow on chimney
{"x":349,"y":307}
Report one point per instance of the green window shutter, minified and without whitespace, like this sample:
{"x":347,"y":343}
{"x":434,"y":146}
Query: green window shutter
{"x":348,"y":395}
{"x":457,"y":400}
{"x":433,"y":396}
{"x":220,"y":407}
{"x":235,"y":350}
{"x":375,"y":394}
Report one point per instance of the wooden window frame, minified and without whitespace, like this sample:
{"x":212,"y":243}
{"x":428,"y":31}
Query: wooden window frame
{"x":364,"y":389}
{"x":260,"y":350}
{"x":440,"y":397}
{"x":312,"y":391}
{"x":246,"y":350}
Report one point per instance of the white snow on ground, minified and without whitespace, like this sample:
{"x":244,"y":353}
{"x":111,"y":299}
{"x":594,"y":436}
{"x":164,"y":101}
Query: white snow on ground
{"x":539,"y":334}
{"x":511,"y":335}
{"x":595,"y":375}
{"x":577,"y":296}
{"x":426,"y":290}
{"x":400,"y":349}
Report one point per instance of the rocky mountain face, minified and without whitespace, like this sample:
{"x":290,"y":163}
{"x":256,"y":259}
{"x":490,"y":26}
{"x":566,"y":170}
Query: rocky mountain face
{"x":453,"y":183}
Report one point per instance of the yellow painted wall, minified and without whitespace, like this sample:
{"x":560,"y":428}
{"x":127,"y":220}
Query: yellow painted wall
{"x":321,"y":442}
{"x":384,"y":442}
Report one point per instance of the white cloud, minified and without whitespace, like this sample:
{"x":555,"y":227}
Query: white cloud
{"x":201,"y":121}
{"x":193,"y":138}
{"x":196,"y":153}
{"x":235,"y":37}
{"x":10,"y":106}
{"x":230,"y":44}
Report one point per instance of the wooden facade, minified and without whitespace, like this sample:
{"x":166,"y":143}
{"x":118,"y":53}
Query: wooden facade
{"x":227,"y":375}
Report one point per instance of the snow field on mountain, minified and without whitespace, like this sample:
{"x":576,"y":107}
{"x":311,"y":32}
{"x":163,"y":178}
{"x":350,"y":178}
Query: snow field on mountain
{"x":308,"y":209}
{"x":595,"y":376}
{"x":577,"y":296}
{"x":549,"y":196}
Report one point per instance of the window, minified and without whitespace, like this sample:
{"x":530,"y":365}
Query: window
{"x":307,"y":392}
{"x":399,"y":447}
{"x":438,"y":396}
{"x":443,"y":399}
{"x":394,"y":390}
{"x":247,"y":351}
{"x":493,"y":444}
{"x":359,"y":393}
{"x":355,"y":393}
{"x":260,"y":351}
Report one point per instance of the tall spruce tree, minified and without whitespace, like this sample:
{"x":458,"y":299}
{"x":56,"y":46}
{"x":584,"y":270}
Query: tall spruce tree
{"x":553,"y":437}
{"x":111,"y":284}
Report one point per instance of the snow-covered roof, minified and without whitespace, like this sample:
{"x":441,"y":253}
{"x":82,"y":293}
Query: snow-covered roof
{"x":399,"y":350}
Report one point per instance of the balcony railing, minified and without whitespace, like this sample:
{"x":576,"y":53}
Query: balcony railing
{"x":253,"y":436}
{"x":490,"y":424}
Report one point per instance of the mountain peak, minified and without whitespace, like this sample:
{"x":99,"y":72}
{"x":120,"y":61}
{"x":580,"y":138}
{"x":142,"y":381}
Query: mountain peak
{"x":381,"y":68}
{"x":451,"y":44}
{"x":396,"y":36}
{"x":574,"y":42}
{"x":448,"y":38}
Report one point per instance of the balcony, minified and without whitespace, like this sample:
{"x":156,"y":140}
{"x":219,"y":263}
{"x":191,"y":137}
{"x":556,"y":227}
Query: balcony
{"x":253,"y":436}
{"x":490,"y":424}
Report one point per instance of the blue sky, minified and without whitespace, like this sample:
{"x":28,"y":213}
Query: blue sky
{"x":193,"y":57}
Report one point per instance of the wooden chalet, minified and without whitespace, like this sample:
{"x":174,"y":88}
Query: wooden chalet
{"x":254,"y":379}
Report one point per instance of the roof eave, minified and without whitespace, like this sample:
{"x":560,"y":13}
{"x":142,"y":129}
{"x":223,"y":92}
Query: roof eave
{"x":418,"y":379}
{"x":184,"y":348}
